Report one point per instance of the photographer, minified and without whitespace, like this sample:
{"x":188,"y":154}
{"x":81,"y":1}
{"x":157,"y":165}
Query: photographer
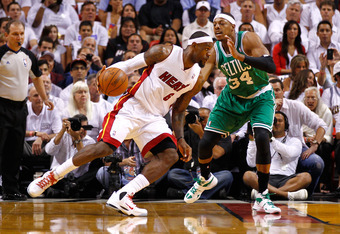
{"x":285,"y":152}
{"x":120,"y":167}
{"x":181,"y":178}
{"x":72,"y":138}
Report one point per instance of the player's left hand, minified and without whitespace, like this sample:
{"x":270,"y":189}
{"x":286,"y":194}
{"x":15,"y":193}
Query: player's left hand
{"x":49,"y":103}
{"x":185,"y":150}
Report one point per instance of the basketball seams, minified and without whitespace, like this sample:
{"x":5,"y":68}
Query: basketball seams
{"x":109,"y":75}
{"x":122,"y":82}
{"x":113,"y":81}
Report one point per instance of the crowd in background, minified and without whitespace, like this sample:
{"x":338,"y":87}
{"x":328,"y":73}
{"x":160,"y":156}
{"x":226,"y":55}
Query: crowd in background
{"x":73,"y":39}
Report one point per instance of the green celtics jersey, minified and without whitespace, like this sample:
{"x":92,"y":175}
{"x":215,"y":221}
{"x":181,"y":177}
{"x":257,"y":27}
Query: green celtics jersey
{"x":243,"y":80}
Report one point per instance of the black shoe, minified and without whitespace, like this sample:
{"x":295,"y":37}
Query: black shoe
{"x":14,"y":196}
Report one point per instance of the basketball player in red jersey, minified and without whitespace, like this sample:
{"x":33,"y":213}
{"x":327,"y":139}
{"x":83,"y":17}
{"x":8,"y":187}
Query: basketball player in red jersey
{"x":171,"y":79}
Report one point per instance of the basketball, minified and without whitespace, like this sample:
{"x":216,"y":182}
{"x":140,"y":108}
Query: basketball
{"x":112,"y":81}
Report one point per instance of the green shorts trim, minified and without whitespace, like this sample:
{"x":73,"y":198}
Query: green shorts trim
{"x":232,"y":112}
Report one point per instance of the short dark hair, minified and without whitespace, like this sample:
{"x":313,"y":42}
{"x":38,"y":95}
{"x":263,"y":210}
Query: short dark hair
{"x":13,"y":3}
{"x":85,"y":23}
{"x":87,"y":3}
{"x":136,"y":34}
{"x":323,"y":22}
{"x":327,"y":3}
{"x":81,"y":117}
{"x":8,"y":25}
{"x":276,"y":80}
{"x":198,"y":34}
{"x":47,"y":39}
{"x":249,"y":24}
{"x":42,"y":62}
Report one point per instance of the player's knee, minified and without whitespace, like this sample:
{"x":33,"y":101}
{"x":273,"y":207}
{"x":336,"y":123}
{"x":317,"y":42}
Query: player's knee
{"x":169,"y":156}
{"x":207,"y":143}
{"x":306,"y":178}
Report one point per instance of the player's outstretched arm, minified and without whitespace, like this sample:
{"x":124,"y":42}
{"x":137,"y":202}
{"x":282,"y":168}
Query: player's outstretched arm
{"x":257,"y":54}
{"x":154,"y":55}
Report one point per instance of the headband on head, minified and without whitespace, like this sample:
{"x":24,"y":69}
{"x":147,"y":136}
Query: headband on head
{"x":200,"y":40}
{"x":226,"y":17}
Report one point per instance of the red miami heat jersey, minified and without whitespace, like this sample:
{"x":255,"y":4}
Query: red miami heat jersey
{"x":161,"y":84}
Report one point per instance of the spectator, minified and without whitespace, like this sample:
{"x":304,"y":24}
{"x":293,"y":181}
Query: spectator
{"x":187,"y":4}
{"x":170,"y":36}
{"x":58,"y":102}
{"x":15,"y":13}
{"x":85,"y":30}
{"x":234,"y":8}
{"x":88,"y":13}
{"x":248,"y":11}
{"x":311,"y":15}
{"x":210,"y":100}
{"x":4,"y":10}
{"x":130,"y":166}
{"x":13,"y":93}
{"x":82,"y":181}
{"x":303,"y":80}
{"x":246,"y":27}
{"x":95,"y":95}
{"x":181,"y":179}
{"x":78,"y":73}
{"x":56,"y":78}
{"x":117,"y":46}
{"x":327,"y":11}
{"x":3,"y":39}
{"x":52,"y":12}
{"x":59,"y":50}
{"x":189,"y":15}
{"x":298,"y":63}
{"x":293,"y":12}
{"x":134,"y":43}
{"x":317,"y":55}
{"x":91,"y":43}
{"x":104,"y":4}
{"x":41,"y":126}
{"x":113,"y":16}
{"x":44,"y":68}
{"x":290,"y":46}
{"x":298,"y":114}
{"x":80,"y":103}
{"x":156,"y":15}
{"x":275,"y":11}
{"x":313,"y":101}
{"x":201,"y":23}
{"x":285,"y":151}
{"x":3,"y":22}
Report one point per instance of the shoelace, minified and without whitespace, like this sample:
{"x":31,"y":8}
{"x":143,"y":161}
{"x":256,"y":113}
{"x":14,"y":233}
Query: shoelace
{"x":131,"y":202}
{"x":49,"y":179}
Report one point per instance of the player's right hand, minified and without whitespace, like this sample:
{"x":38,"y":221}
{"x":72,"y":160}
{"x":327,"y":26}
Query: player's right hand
{"x":185,"y":150}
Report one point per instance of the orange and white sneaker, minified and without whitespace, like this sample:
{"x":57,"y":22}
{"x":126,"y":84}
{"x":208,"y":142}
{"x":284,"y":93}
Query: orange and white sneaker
{"x":39,"y":185}
{"x":122,"y":202}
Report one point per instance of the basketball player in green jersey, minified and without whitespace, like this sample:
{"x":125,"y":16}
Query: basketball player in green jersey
{"x":245,"y":61}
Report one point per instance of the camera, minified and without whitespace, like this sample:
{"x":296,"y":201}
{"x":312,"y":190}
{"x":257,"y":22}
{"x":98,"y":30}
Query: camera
{"x":330,"y":54}
{"x":192,"y":116}
{"x":89,"y":57}
{"x":115,"y":171}
{"x":76,"y":124}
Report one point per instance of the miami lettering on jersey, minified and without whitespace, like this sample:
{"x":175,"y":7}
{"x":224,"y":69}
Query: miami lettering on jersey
{"x":234,"y":67}
{"x":172,"y":81}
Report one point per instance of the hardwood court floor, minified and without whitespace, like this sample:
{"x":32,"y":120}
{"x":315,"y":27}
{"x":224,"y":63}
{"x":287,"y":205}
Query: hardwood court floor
{"x":167,"y":216}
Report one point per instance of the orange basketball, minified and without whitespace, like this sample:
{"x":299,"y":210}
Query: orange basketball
{"x":112,"y":81}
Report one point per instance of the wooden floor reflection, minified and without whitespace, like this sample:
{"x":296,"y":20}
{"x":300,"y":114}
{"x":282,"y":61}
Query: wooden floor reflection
{"x":227,"y":216}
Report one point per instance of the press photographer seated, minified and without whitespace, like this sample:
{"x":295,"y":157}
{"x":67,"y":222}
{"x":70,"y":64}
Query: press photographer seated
{"x":285,"y":152}
{"x":120,"y":167}
{"x":72,"y":138}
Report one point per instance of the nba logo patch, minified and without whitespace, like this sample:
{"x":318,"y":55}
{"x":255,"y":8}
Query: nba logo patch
{"x":25,"y":62}
{"x":113,"y":133}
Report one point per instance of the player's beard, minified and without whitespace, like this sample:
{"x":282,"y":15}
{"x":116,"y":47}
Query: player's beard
{"x":200,"y":63}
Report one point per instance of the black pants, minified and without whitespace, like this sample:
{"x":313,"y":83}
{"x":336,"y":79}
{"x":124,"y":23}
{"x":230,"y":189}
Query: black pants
{"x":12,"y":135}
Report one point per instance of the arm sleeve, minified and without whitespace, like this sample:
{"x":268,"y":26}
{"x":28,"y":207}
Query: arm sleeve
{"x":264,"y":63}
{"x":53,"y":149}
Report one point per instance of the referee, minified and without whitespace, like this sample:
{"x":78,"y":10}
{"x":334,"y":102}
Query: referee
{"x":16,"y":65}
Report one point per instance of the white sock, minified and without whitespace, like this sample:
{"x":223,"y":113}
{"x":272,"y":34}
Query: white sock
{"x":290,"y":196}
{"x":136,"y":185}
{"x":65,"y":168}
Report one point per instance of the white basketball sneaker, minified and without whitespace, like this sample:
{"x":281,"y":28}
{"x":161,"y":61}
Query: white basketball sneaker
{"x":39,"y":185}
{"x":122,"y":201}
{"x":264,"y":204}
{"x":198,"y":188}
